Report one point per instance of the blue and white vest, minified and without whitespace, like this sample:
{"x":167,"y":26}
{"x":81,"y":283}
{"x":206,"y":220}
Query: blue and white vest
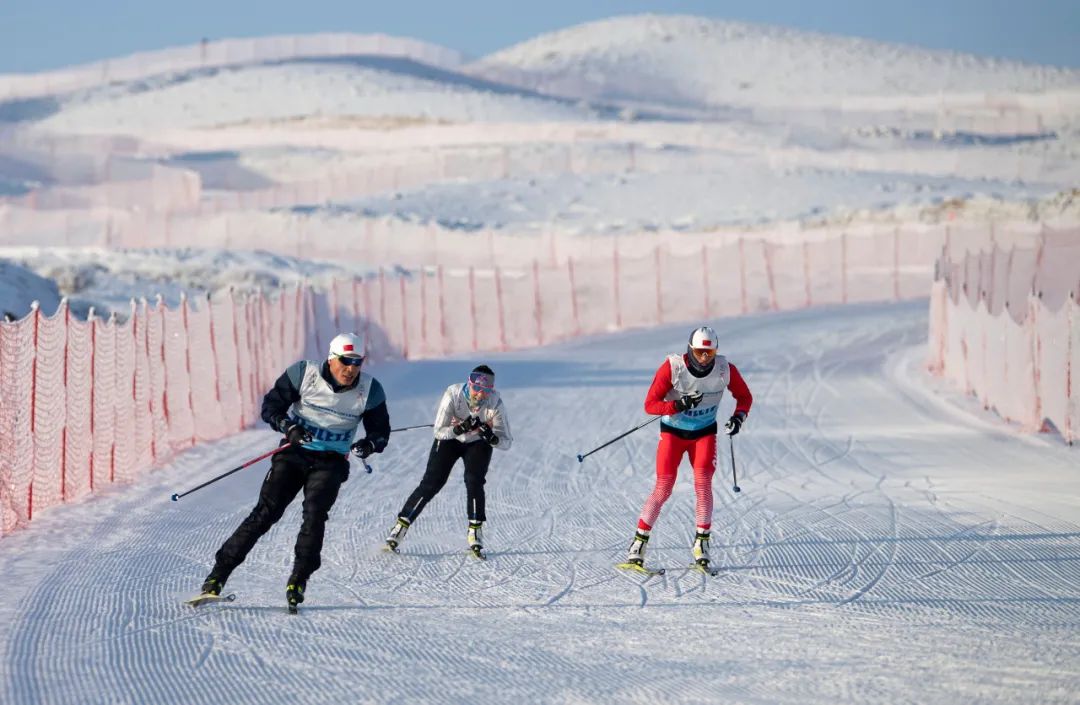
{"x":331,"y":418}
{"x":711,"y":386}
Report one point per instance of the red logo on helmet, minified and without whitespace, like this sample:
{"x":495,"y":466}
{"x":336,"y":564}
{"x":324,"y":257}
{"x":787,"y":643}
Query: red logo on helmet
{"x":347,"y":348}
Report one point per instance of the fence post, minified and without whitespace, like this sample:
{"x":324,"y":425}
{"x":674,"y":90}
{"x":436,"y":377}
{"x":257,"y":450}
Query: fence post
{"x":536,"y":303}
{"x":573,"y":295}
{"x":442,"y":310}
{"x":423,"y":310}
{"x":93,"y":355}
{"x":499,"y":303}
{"x":769,"y":274}
{"x":187,"y":364}
{"x":33,"y":412}
{"x":615,"y":283}
{"x":404,"y":318}
{"x":382,"y":301}
{"x":63,"y":431}
{"x":236,"y":368}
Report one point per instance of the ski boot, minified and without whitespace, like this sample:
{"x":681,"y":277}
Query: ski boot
{"x":211,"y":592}
{"x":476,"y":539}
{"x":294,"y":594}
{"x":701,"y":553}
{"x":212,"y":585}
{"x":397,"y":534}
{"x":635,"y":556}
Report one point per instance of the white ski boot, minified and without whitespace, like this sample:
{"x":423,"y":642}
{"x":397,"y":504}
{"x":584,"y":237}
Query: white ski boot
{"x":635,"y":557}
{"x":701,"y":553}
{"x":397,"y":534}
{"x":476,"y":539}
{"x":636,"y":554}
{"x":701,"y":548}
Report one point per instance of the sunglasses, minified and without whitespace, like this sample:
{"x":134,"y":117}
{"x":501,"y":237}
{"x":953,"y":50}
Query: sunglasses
{"x":350,"y":361}
{"x":707,"y":352}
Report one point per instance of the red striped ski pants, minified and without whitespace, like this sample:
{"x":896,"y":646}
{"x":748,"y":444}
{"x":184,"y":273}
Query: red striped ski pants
{"x":669,"y":453}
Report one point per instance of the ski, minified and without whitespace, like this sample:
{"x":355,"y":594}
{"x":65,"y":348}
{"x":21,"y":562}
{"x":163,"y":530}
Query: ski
{"x":705,"y":569}
{"x":206,"y":598}
{"x":293,"y":608}
{"x":636,"y":568}
{"x":478,"y":553}
{"x":390,"y":548}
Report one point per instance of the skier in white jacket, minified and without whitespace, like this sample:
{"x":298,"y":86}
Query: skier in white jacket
{"x":470,"y":422}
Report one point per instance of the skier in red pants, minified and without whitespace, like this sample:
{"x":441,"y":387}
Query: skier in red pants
{"x":686,"y":391}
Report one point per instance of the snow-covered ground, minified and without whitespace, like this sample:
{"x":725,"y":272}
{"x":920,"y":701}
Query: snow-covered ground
{"x":108,"y":280}
{"x":741,"y":192}
{"x":890,"y":544}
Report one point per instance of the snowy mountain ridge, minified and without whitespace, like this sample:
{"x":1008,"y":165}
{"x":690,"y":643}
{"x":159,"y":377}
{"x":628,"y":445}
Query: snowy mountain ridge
{"x":695,"y":60}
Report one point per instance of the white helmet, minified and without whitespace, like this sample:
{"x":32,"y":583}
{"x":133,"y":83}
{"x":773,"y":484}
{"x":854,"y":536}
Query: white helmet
{"x":347,"y":345}
{"x":703,"y":338}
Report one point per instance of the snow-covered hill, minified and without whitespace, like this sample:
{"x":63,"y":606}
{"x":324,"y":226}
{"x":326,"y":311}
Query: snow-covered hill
{"x":694,"y":61}
{"x":632,"y":124}
{"x":19,"y":287}
{"x":276,"y":92}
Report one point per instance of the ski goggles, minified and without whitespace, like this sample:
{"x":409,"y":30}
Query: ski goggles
{"x":707,"y":353}
{"x":350,"y":361}
{"x":481,"y":383}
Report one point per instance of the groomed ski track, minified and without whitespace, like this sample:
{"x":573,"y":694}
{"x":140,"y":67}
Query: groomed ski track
{"x":888,"y":546}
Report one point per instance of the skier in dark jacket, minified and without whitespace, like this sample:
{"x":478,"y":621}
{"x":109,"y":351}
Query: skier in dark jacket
{"x":318,"y":407}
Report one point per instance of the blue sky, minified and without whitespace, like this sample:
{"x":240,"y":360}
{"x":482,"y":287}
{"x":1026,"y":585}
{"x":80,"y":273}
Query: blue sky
{"x":42,"y":34}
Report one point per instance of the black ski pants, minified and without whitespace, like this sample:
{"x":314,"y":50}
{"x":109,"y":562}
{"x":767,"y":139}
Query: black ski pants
{"x":441,"y":459}
{"x":320,"y":475}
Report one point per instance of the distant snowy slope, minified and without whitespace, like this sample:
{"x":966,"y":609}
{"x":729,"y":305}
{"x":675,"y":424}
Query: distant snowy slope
{"x":19,"y":287}
{"x":368,"y":87}
{"x":679,"y":60}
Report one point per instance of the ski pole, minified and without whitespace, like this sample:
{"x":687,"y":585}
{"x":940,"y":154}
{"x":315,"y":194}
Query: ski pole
{"x":734,"y":479}
{"x":581,"y":457}
{"x":409,"y":428}
{"x":226,"y":474}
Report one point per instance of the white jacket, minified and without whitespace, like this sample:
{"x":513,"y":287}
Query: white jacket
{"x":454,"y":408}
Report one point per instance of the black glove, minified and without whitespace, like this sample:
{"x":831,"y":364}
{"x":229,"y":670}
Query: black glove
{"x":363,"y":448}
{"x":469,"y":424}
{"x":735,"y":423}
{"x":297,"y":434}
{"x":487,"y":434}
{"x":688,"y":401}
